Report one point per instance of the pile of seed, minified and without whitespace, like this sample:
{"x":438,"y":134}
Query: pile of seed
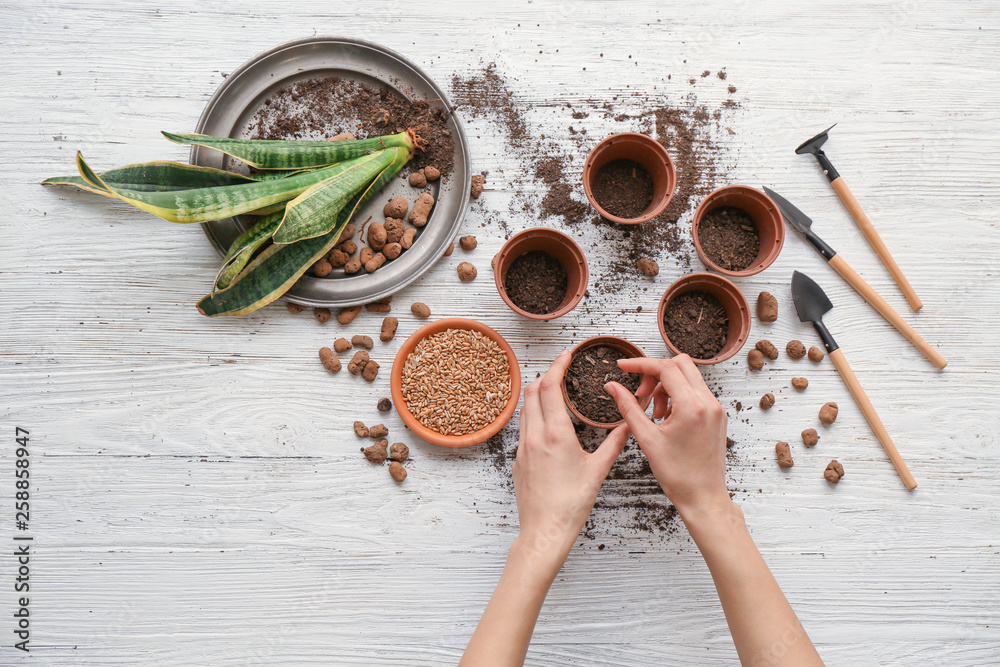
{"x":456,"y":381}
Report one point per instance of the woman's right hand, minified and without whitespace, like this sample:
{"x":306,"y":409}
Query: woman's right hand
{"x":687,"y":450}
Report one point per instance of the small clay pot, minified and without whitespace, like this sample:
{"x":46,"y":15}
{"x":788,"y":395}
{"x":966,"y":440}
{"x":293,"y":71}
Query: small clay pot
{"x":765,"y":215}
{"x":560,"y":246}
{"x":731,"y":298}
{"x":620,"y":344}
{"x":396,"y":384}
{"x":648,"y":152}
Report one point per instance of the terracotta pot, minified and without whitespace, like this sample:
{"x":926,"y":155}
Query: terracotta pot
{"x":396,"y":384}
{"x":731,"y":298}
{"x":620,"y":344}
{"x":648,"y":152}
{"x":765,"y":215}
{"x":555,"y":243}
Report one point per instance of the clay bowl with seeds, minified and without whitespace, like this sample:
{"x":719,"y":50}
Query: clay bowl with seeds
{"x":538,"y":257}
{"x":738,"y":204}
{"x":599,"y":352}
{"x":692,"y":323}
{"x":455,"y":382}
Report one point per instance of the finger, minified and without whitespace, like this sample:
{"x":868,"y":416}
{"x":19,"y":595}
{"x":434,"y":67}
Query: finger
{"x":671,"y":378}
{"x":633,"y":413}
{"x":531,"y":415}
{"x":605,"y":455}
{"x":694,"y":377}
{"x":661,"y":404}
{"x":550,"y":390}
{"x":647,"y":386}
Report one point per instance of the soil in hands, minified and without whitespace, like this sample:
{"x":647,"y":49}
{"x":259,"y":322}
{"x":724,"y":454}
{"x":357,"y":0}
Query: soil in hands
{"x":323,"y":108}
{"x":588,"y":372}
{"x":729,"y":238}
{"x":623,"y":188}
{"x":536,"y":282}
{"x":697,"y":324}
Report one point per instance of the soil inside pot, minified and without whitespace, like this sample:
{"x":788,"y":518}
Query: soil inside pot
{"x":623,"y":188}
{"x":729,"y":238}
{"x":697,"y":324}
{"x":586,"y":376}
{"x":536,"y":282}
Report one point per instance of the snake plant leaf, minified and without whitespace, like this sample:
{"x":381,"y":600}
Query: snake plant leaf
{"x":276,"y":269}
{"x":216,"y":202}
{"x":242,"y":249}
{"x":315,"y":211}
{"x":296,"y":154}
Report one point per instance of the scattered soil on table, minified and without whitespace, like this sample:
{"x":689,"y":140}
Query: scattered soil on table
{"x":536,"y":282}
{"x":323,"y":108}
{"x":588,"y":372}
{"x":697,"y":324}
{"x":623,"y":188}
{"x":729,"y":238}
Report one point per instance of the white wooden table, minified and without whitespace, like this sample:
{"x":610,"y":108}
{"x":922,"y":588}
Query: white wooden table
{"x":197,"y":495}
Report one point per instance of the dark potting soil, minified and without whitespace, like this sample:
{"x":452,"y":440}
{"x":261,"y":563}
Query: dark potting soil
{"x":623,"y":188}
{"x":729,"y":238}
{"x":586,"y":376}
{"x":536,"y":282}
{"x":323,"y":108}
{"x":696,"y":323}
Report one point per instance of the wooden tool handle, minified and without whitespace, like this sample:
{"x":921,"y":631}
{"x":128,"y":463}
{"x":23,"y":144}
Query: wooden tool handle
{"x":875,"y":240}
{"x":885,"y":310}
{"x":868,"y":410}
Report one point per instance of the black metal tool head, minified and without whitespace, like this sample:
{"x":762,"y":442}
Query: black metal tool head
{"x":791,"y":213}
{"x":811,"y":303}
{"x":815,"y":145}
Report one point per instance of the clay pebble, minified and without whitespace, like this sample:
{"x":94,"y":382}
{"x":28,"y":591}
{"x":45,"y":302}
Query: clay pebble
{"x":795,"y":349}
{"x":767,"y":307}
{"x":784,"y":455}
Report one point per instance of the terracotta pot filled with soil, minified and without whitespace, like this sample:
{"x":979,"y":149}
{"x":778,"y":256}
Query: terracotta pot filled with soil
{"x":738,"y":231}
{"x":629,"y":178}
{"x":541,"y":273}
{"x":594,"y":363}
{"x":704,"y":316}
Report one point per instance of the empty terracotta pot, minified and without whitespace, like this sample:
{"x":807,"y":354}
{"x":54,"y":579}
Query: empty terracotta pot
{"x":620,"y":344}
{"x":430,"y":435}
{"x":731,"y":298}
{"x":765,"y":215}
{"x":559,"y":246}
{"x":648,"y":152}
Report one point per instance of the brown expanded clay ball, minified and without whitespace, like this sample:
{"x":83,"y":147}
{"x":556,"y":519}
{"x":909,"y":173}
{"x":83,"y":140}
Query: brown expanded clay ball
{"x":377,"y":236}
{"x":347,"y":315}
{"x":815,"y":354}
{"x":407,"y":241}
{"x":394,"y":229}
{"x":420,"y":309}
{"x":360,"y":429}
{"x":466,"y":272}
{"x":450,"y":249}
{"x":478,"y":181}
{"x":648,"y":267}
{"x":418,"y":179}
{"x":810,"y":437}
{"x":768,"y":349}
{"x":370,"y":371}
{"x":755,"y":359}
{"x":322,"y":268}
{"x":341,"y":345}
{"x":377,"y":453}
{"x":348,"y":247}
{"x":378,"y":431}
{"x":396,"y":208}
{"x":343,"y":136}
{"x":421,"y":209}
{"x":800,"y":383}
{"x":380,"y":306}
{"x":834,"y":471}
{"x":384,"y":405}
{"x":347,"y":233}
{"x":399,"y":452}
{"x":358,"y":362}
{"x":784,"y":455}
{"x":375,"y":262}
{"x":767,"y":307}
{"x":432,"y":173}
{"x":828,"y":413}
{"x":352,"y":266}
{"x":338,"y":258}
{"x":766,"y":401}
{"x":468,"y":243}
{"x":294,"y":308}
{"x":397,"y":471}
{"x":322,"y":315}
{"x":362,"y":341}
{"x":392,"y":250}
{"x":388,"y":332}
{"x":329,"y":359}
{"x":795,"y":349}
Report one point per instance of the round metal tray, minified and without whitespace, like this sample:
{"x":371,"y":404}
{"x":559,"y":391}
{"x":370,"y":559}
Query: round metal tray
{"x":238,"y":99}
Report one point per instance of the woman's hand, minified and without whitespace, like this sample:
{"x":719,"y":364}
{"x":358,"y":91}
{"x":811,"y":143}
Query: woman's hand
{"x":687,"y":450}
{"x":555,"y":480}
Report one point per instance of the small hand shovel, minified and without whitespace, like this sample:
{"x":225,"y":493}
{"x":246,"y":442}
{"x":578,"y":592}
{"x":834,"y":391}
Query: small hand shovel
{"x":811,"y":303}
